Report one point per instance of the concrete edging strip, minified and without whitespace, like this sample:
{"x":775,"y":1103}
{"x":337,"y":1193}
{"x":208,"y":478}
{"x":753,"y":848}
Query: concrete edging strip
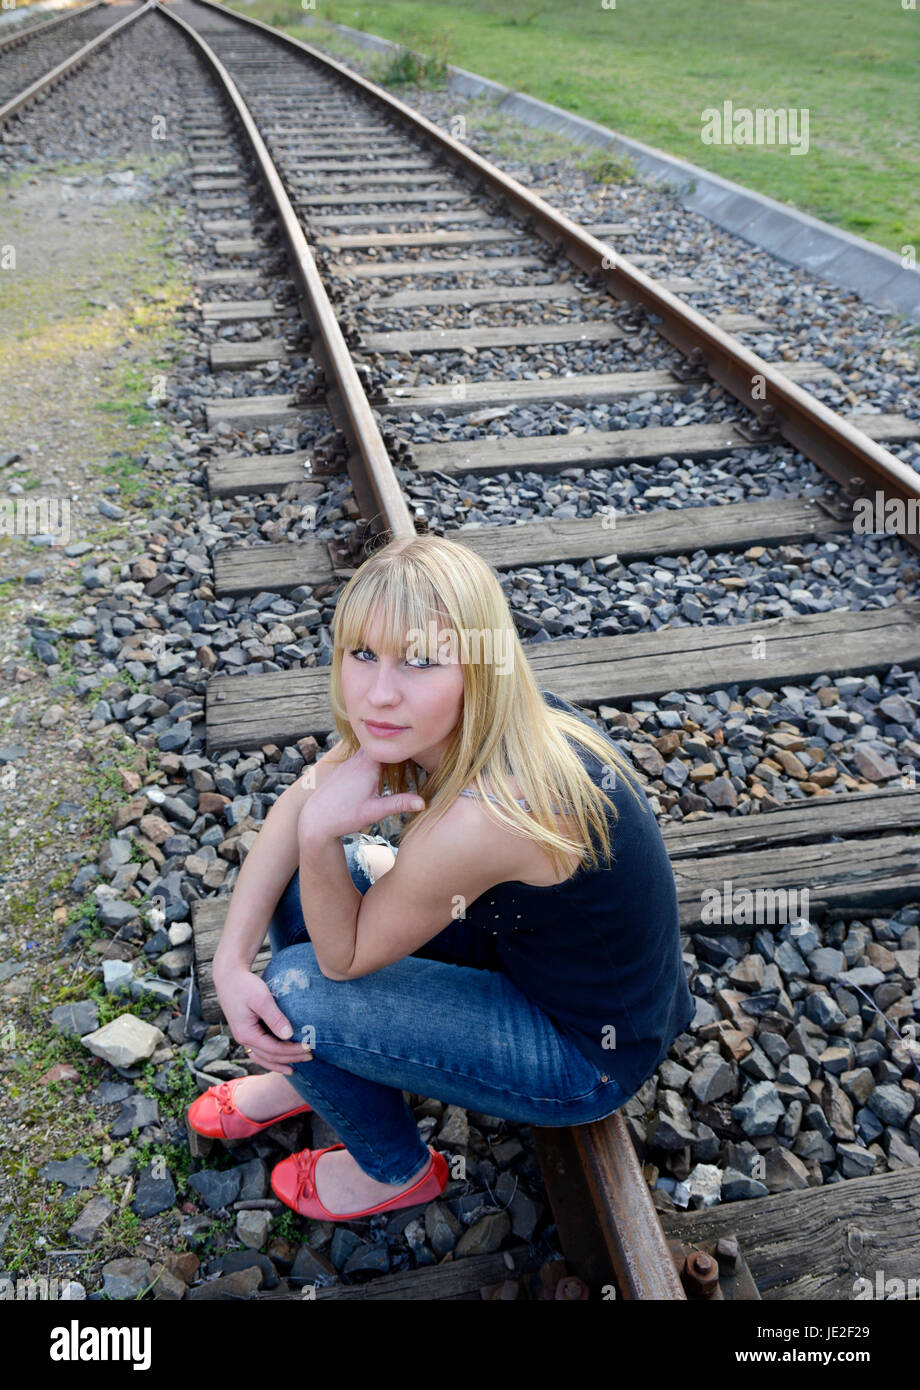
{"x":870,"y":271}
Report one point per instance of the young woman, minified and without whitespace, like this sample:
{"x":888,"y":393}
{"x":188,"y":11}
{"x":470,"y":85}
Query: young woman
{"x":519,"y":956}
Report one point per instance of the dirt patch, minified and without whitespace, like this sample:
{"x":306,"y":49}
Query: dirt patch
{"x":90,"y":311}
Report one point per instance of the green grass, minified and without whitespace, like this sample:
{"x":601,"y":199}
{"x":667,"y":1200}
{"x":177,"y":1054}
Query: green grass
{"x":649,"y":70}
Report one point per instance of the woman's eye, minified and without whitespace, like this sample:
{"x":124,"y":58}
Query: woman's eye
{"x":358,"y":651}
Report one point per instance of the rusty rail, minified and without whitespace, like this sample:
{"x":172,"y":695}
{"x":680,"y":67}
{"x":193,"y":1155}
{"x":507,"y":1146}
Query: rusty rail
{"x":45,"y":83}
{"x":845,"y":453}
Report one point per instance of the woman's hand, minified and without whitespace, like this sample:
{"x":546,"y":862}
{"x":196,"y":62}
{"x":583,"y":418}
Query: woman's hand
{"x":347,"y":801}
{"x":247,"y":1004}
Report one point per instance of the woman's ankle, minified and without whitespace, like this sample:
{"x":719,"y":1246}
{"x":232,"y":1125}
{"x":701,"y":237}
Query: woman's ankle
{"x":269,"y":1095}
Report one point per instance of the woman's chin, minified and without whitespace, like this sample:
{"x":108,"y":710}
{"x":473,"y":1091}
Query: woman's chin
{"x":376,"y":748}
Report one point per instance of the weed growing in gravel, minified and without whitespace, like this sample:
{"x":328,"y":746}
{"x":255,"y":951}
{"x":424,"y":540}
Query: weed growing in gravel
{"x":286,"y":1227}
{"x":407,"y":67}
{"x":35,"y":1231}
{"x":176,"y":1158}
{"x":604,"y":166}
{"x":216,"y":1239}
{"x":181,"y":1090}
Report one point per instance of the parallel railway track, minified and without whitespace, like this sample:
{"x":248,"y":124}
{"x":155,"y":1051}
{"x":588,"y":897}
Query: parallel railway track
{"x":34,"y":59}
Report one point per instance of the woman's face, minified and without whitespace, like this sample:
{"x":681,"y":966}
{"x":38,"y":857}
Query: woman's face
{"x":417,"y":693}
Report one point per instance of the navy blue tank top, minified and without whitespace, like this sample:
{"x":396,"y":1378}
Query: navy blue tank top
{"x":600,"y":953}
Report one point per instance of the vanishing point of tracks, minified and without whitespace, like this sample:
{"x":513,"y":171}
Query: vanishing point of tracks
{"x":375,"y":207}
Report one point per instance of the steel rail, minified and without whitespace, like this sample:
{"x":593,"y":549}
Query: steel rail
{"x":376,"y":486}
{"x":44,"y":83}
{"x":632,"y":1231}
{"x":21,"y":35}
{"x":847,"y":454}
{"x":625,"y":1213}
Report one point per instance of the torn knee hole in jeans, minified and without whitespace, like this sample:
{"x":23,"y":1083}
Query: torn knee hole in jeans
{"x":291,"y":978}
{"x":365,"y":859}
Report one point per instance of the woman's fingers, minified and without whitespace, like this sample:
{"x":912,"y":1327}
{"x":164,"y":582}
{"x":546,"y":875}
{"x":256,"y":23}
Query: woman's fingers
{"x":277,"y":1053}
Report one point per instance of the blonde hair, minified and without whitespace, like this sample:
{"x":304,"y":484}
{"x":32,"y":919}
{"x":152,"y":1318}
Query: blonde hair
{"x":419,"y":584}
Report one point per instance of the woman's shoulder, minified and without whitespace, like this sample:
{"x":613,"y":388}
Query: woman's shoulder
{"x":528,"y":860}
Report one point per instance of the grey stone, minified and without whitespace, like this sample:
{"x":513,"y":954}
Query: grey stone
{"x":311,"y":1267}
{"x":216,"y":1188}
{"x":441,"y":1227}
{"x":344,"y":1244}
{"x":824,"y":1011}
{"x":77,"y":1019}
{"x":125,"y":1278}
{"x":892,"y":1104}
{"x":124,"y":1042}
{"x":155,"y":1191}
{"x":455,"y":1129}
{"x":826,"y":964}
{"x":368,"y":1259}
{"x":869,"y":1125}
{"x":760,"y":1109}
{"x":790,"y":962}
{"x":117,"y":975}
{"x":837,"y":1059}
{"x":253,"y":1180}
{"x":136,"y":1112}
{"x":855,"y":1161}
{"x":214,"y":1049}
{"x":705,"y":1185}
{"x":76,"y":1172}
{"x":252,"y":1227}
{"x":485,"y":1236}
{"x":794,"y":1071}
{"x":901,"y":1154}
{"x":115,"y":913}
{"x":711,"y":1078}
{"x":866,"y":976}
{"x":91,"y":1221}
{"x":175,"y":964}
{"x":785,"y":1171}
{"x":234,"y":1261}
{"x":737,"y":1187}
{"x":670,"y":1128}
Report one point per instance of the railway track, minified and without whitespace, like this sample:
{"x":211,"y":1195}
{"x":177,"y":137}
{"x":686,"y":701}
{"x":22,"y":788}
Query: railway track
{"x":34,"y":59}
{"x":387,"y":204}
{"x":381,"y":215}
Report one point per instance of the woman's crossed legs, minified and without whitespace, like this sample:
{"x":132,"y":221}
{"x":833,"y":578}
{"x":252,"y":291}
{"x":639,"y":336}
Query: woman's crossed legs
{"x":435,"y":1023}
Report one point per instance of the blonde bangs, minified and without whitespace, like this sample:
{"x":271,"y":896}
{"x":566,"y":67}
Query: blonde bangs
{"x":411,"y":609}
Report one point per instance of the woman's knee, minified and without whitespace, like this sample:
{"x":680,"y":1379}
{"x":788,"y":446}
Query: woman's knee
{"x":292,"y":971}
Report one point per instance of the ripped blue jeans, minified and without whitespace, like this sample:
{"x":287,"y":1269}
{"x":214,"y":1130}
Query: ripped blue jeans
{"x":437,"y":1024}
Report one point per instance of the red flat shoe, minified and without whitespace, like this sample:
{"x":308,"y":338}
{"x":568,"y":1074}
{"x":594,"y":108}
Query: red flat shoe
{"x":215,"y":1116}
{"x":293,"y":1180}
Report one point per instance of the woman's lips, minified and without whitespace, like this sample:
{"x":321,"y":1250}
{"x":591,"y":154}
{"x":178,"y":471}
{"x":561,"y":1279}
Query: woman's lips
{"x":380,"y":731}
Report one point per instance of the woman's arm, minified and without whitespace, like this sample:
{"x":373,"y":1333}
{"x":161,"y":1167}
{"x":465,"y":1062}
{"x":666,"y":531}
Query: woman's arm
{"x":265,"y":873}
